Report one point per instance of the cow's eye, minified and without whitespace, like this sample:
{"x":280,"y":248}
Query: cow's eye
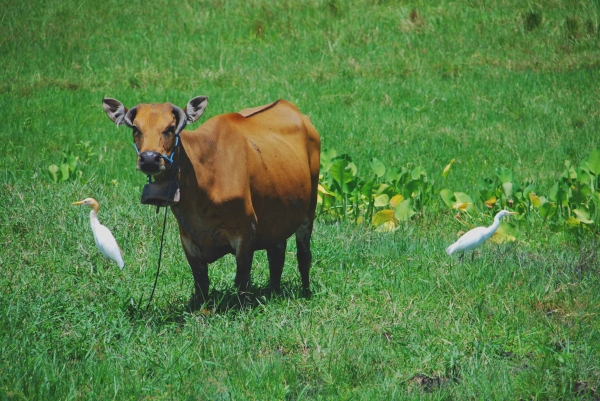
{"x":137,"y":133}
{"x":169,"y":131}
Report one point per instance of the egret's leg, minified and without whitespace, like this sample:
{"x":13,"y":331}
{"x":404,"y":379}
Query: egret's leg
{"x":462,"y":254}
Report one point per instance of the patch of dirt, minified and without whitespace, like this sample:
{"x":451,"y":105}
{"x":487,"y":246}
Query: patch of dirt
{"x":429,"y":384}
{"x":588,"y":260}
{"x":583,"y":388}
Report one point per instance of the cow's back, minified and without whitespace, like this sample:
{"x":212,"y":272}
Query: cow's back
{"x":268,"y":156}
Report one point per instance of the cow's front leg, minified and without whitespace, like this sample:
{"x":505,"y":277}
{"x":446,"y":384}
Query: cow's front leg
{"x":199,"y":268}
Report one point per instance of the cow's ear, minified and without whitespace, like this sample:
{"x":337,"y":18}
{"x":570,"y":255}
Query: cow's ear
{"x":114,"y":110}
{"x":195,"y":108}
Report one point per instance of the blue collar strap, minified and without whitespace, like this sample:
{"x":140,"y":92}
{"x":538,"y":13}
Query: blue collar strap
{"x":167,"y":158}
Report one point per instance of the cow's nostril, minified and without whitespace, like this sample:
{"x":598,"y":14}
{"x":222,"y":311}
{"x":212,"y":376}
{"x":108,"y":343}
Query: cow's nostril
{"x":149,"y":161}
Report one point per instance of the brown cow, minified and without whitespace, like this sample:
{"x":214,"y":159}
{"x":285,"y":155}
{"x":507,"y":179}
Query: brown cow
{"x":247,"y":180}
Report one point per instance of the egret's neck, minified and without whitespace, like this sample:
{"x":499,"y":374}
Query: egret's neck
{"x":93,"y":217}
{"x":492,"y":229}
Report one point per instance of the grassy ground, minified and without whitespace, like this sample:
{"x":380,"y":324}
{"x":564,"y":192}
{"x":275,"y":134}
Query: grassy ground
{"x":506,"y":83}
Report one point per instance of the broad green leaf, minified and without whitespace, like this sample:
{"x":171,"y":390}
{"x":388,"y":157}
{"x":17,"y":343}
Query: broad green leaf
{"x":64,"y":172}
{"x":569,"y":171}
{"x":461,"y":197}
{"x":367,"y":188}
{"x":547,"y":209}
{"x":381,"y":200}
{"x":572,"y":222}
{"x":393,"y":174}
{"x":404,"y":210}
{"x":383,"y":188}
{"x":327,"y":157}
{"x":462,"y":206}
{"x":593,"y":161}
{"x":553,"y":194}
{"x":388,"y":226}
{"x":504,"y":174}
{"x":324,"y":191}
{"x":448,"y":197}
{"x":563,"y":193}
{"x":416,"y":173}
{"x":383,"y":216}
{"x":72,"y":161}
{"x":446,"y":171}
{"x":340,"y":172}
{"x":534,"y":199}
{"x":582,"y":216}
{"x":490,"y":203}
{"x":507,"y":188}
{"x":506,"y":232}
{"x":585,"y":190}
{"x":377,"y":167}
{"x":53,"y":170}
{"x":528,"y":190}
{"x":583,"y":175}
{"x":352,"y":167}
{"x":396,"y":199}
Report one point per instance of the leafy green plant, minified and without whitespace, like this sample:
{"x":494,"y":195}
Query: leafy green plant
{"x":572,"y":202}
{"x":66,"y":170}
{"x":86,"y":151}
{"x":384,"y":198}
{"x":390,"y":195}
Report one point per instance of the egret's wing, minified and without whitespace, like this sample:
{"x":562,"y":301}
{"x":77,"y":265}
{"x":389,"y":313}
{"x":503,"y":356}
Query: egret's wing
{"x":470,"y":240}
{"x":108,"y":245}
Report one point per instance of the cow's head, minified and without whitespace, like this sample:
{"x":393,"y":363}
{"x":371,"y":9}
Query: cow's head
{"x":155,"y":127}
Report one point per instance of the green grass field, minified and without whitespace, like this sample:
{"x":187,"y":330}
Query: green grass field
{"x":491,"y":84}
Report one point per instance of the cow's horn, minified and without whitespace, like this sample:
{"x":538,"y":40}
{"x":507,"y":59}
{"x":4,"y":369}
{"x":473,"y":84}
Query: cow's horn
{"x":181,"y":118}
{"x":130,"y":116}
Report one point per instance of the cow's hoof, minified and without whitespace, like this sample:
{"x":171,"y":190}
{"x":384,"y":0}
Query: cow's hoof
{"x":274,"y":292}
{"x":197,"y":302}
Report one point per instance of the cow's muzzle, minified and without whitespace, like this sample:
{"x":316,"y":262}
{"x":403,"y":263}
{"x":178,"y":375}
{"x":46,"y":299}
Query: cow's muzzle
{"x":150,"y":162}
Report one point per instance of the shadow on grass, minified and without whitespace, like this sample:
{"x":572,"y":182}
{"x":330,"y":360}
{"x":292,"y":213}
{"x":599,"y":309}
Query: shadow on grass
{"x":220,"y":302}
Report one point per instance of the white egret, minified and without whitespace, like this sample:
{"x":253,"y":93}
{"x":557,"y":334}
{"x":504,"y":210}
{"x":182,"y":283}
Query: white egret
{"x":477,"y":236}
{"x":105,"y":242}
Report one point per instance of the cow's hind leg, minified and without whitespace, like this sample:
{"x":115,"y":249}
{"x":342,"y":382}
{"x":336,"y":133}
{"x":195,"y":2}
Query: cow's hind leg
{"x":304,"y":255}
{"x":276,"y":256}
{"x":244,"y":254}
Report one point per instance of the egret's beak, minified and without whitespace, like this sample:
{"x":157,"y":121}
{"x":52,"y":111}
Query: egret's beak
{"x":78,"y":203}
{"x":513,"y":213}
